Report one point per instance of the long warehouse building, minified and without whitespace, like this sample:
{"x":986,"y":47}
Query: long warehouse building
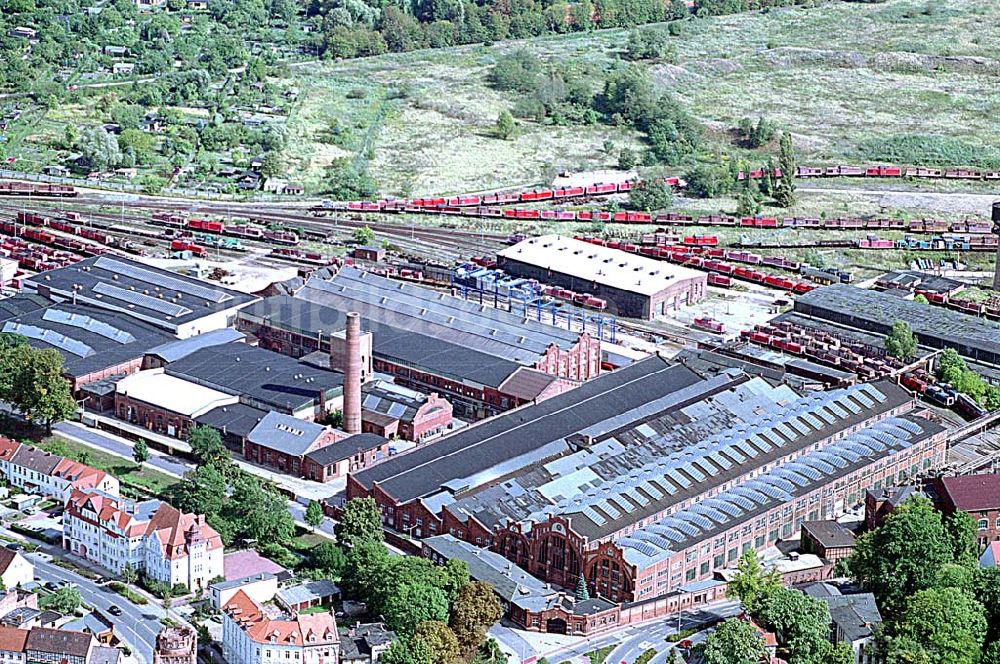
{"x":653,"y":478}
{"x":875,"y":311}
{"x":634,"y":286}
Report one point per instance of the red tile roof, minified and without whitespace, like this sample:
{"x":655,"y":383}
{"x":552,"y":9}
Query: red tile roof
{"x":6,"y":558}
{"x":13,"y":639}
{"x":973,"y":493}
{"x":312,"y":629}
{"x":7,"y":448}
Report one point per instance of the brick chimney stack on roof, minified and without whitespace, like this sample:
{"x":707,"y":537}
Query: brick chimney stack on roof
{"x":352,"y":374}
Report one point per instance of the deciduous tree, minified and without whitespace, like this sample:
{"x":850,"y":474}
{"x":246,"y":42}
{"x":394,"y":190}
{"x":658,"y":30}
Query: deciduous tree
{"x":505,"y":126}
{"x":474,"y":611}
{"x":314,"y":514}
{"x":948,"y":623}
{"x":409,"y":605}
{"x":784,"y":193}
{"x":901,"y":342}
{"x":734,"y":642}
{"x":903,"y":555}
{"x":437,"y":638}
{"x":140,"y":452}
{"x":801,"y":623}
{"x":37,"y":387}
{"x":359,"y":522}
{"x":751,"y":584}
{"x":651,"y":195}
{"x":64,"y":600}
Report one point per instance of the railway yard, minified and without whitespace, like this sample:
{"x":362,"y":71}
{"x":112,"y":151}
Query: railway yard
{"x":675,"y":324}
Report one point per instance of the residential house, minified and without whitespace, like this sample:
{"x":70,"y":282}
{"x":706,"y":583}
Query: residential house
{"x":12,"y":645}
{"x":15,"y":570}
{"x":122,"y":68}
{"x":260,"y":588}
{"x":151,"y":536}
{"x":854,"y":619}
{"x":37,"y":471}
{"x":56,"y":646}
{"x":251,"y":636}
{"x":364,"y":643}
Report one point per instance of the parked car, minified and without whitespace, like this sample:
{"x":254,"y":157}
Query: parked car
{"x":52,"y":585}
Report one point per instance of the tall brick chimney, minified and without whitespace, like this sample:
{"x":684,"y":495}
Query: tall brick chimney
{"x":352,"y":374}
{"x":996,"y":231}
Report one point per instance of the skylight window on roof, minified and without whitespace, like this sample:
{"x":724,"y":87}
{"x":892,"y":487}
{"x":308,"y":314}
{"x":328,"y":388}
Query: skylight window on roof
{"x":87,"y":323}
{"x":849,"y":405}
{"x":863,"y":398}
{"x":161,"y":280}
{"x":677,"y":478}
{"x":138,"y":299}
{"x":826,"y":415}
{"x":813,"y":421}
{"x":592,"y":514}
{"x":798,"y":425}
{"x":693,"y":472}
{"x":835,"y":408}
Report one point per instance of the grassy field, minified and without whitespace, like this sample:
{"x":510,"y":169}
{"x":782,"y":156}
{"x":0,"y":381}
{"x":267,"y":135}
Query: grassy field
{"x":852,"y":82}
{"x":143,"y":478}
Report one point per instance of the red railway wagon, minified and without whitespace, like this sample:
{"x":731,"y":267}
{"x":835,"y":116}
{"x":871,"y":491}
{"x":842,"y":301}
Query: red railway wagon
{"x":183,"y":245}
{"x":710,"y":324}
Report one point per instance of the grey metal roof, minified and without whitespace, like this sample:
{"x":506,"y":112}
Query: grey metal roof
{"x":286,"y":434}
{"x":432,"y":354}
{"x":141,"y":291}
{"x":898,"y":433}
{"x":261,"y":378}
{"x":89,"y":339}
{"x":436,"y":314}
{"x":876,"y":311}
{"x":181,"y":348}
{"x":508,"y":580}
{"x":310,"y":591}
{"x":524,"y":437}
{"x":235,"y":419}
{"x":346,"y":448}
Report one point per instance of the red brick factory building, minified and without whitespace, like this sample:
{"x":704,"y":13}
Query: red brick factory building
{"x":483,"y":361}
{"x":651,"y":479}
{"x":634,"y":286}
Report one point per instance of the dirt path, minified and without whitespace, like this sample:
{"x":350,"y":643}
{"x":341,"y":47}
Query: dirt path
{"x":978,"y":204}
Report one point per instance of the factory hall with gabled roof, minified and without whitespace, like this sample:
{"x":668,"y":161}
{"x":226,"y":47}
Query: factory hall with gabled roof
{"x":478,"y":378}
{"x":176,"y":303}
{"x":634,"y":286}
{"x":654,"y":477}
{"x":95,"y":343}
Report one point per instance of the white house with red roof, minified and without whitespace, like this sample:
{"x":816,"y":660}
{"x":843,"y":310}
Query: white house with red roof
{"x":253,"y":633}
{"x":38,"y":471}
{"x":153,"y":537}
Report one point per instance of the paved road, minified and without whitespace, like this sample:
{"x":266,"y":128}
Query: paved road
{"x":114,"y":445}
{"x":137,"y":626}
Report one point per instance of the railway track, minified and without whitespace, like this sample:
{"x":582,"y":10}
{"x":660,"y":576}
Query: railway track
{"x":463,"y":242}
